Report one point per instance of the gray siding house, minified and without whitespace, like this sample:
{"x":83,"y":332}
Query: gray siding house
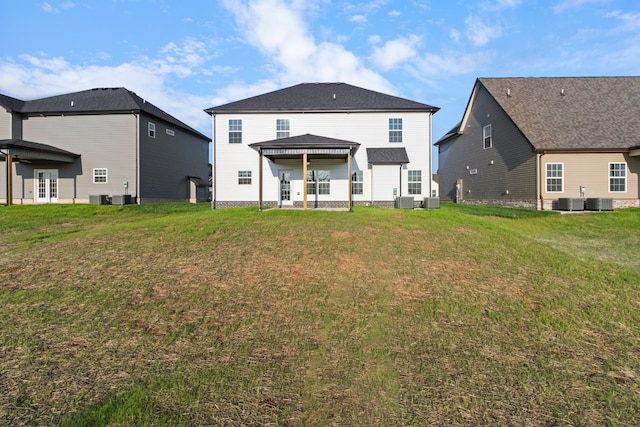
{"x":98,"y":142}
{"x":533,"y":142}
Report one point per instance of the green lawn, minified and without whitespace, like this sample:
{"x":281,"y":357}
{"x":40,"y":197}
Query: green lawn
{"x":180,"y":315}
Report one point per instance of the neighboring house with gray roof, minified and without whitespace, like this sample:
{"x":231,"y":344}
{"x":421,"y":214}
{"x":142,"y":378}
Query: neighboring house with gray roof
{"x":102,"y":142}
{"x":531,"y":142}
{"x":321,"y":145}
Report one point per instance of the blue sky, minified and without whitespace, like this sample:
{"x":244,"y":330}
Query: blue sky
{"x":185,"y":56}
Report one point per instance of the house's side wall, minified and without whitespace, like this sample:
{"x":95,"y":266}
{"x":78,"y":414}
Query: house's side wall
{"x":103,"y":141}
{"x":168,"y":159}
{"x":5,"y":124}
{"x":590,"y":170}
{"x":504,"y":174}
{"x":367,"y":129}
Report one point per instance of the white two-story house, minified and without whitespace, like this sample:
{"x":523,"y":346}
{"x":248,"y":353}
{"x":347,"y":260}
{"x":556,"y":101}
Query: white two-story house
{"x":321,"y":145}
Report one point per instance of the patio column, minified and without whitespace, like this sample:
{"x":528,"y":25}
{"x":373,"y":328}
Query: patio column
{"x":260,"y":180}
{"x":304,"y":180}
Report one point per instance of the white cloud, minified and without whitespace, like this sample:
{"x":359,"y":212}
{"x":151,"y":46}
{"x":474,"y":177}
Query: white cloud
{"x":395,"y":52}
{"x":358,"y":19}
{"x":480,"y":33}
{"x":277,"y":29}
{"x":452,"y":63}
{"x":395,"y":13}
{"x":49,"y":8}
{"x":455,"y":35}
{"x":630,"y":21}
{"x":566,"y":5}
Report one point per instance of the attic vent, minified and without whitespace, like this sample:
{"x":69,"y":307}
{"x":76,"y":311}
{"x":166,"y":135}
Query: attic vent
{"x":561,"y":92}
{"x":334,"y":96}
{"x":508,"y":92}
{"x":72,"y":103}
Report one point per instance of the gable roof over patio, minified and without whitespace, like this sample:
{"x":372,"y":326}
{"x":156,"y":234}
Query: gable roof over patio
{"x":28,"y":150}
{"x":312,"y":145}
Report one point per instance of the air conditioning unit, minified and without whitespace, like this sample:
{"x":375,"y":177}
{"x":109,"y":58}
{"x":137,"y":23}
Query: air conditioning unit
{"x":121,"y":199}
{"x":571,"y":204}
{"x":99,"y":199}
{"x":599,"y":204}
{"x":431,"y":203}
{"x":404,"y":202}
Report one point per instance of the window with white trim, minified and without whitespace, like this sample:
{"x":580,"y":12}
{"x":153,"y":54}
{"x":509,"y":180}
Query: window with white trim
{"x":244,"y":177}
{"x":151,"y":130}
{"x":415,"y":181}
{"x":99,"y":175}
{"x":617,"y":177}
{"x":235,"y":131}
{"x":357,"y":182}
{"x":395,"y":130}
{"x":282,"y":128}
{"x":486,"y":137}
{"x":318,"y":182}
{"x":555,"y":177}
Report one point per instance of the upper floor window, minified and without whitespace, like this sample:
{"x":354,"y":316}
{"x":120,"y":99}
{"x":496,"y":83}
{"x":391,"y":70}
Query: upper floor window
{"x":395,"y":130}
{"x":356,"y":182}
{"x":415,"y":181}
{"x":486,"y":136}
{"x":282,"y":128}
{"x":235,"y":131}
{"x":99,"y":175}
{"x":151,"y":130}
{"x":555,"y":177}
{"x":617,"y":177}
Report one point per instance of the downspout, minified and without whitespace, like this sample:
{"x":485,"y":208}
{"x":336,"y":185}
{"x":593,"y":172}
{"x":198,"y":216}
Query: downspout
{"x":137,"y":116}
{"x":539,"y":178}
{"x":214,"y":179}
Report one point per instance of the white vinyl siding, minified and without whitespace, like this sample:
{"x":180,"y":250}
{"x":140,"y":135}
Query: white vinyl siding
{"x":369,"y":129}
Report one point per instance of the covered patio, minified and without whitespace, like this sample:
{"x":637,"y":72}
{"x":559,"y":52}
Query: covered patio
{"x":18,"y":150}
{"x":305,"y":148}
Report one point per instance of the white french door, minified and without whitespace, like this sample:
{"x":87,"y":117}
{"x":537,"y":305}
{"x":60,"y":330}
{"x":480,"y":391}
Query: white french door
{"x":46,"y":186}
{"x":285,"y":188}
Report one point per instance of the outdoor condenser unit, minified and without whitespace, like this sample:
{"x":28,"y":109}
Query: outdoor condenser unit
{"x":571,"y":204}
{"x":98,"y":199}
{"x":431,"y":203}
{"x":121,"y":199}
{"x":599,"y":204}
{"x":404,"y":202}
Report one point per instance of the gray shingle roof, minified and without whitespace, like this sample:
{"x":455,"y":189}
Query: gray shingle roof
{"x":102,"y":100}
{"x":11,"y":104}
{"x":387,"y":156}
{"x":306,"y":141}
{"x":322,"y":97}
{"x":575,"y":113}
{"x":34,"y":146}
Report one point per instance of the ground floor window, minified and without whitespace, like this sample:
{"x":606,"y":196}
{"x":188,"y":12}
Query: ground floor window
{"x":99,"y":175}
{"x":415,"y":182}
{"x":617,"y":177}
{"x":318,"y":182}
{"x":554,"y":177}
{"x":356,"y":182}
{"x":244,"y":177}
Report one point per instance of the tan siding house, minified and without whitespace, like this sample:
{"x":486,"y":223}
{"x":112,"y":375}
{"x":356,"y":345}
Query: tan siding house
{"x":108,"y":143}
{"x":536,"y":142}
